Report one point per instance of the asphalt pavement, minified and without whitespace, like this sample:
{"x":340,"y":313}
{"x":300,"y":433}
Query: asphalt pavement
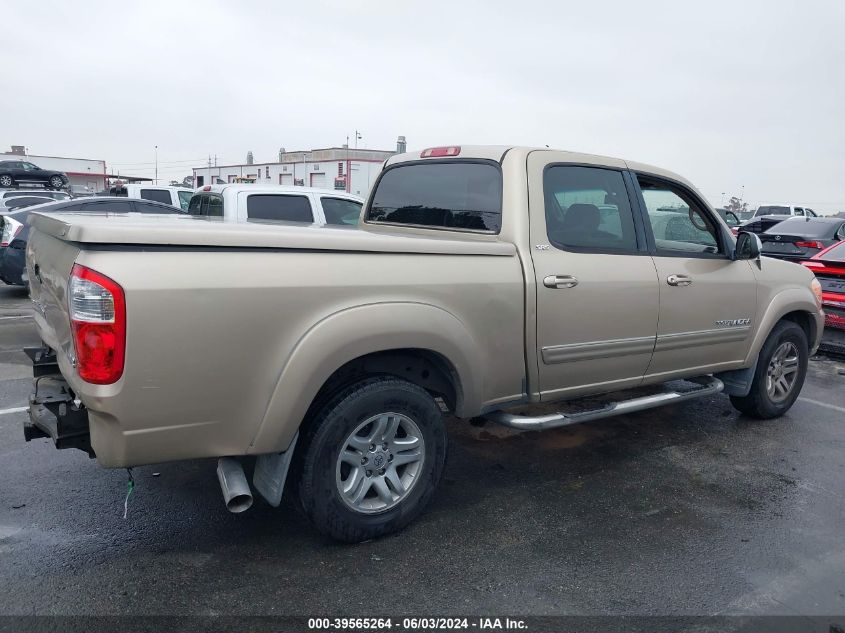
{"x":690,"y":509}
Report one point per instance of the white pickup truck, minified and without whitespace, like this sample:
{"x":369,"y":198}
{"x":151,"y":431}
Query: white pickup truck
{"x":482,"y":281}
{"x":276,"y":203}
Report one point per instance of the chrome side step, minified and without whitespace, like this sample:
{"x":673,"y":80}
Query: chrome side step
{"x":709,"y":385}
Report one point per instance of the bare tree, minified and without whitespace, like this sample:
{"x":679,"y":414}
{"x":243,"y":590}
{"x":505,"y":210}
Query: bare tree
{"x":736,"y":205}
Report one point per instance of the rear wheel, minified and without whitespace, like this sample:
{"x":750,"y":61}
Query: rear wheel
{"x":780,"y":373}
{"x":372,"y":459}
{"x":6,"y":181}
{"x":56,"y":182}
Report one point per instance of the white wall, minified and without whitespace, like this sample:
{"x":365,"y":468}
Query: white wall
{"x":82,"y":172}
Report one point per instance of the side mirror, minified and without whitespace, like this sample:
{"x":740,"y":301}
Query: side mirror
{"x":748,"y":246}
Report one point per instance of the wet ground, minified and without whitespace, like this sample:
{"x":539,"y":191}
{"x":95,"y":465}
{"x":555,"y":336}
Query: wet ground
{"x":690,"y":509}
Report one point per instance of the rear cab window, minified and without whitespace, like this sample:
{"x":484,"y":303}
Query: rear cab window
{"x":206,"y":204}
{"x":458,"y":195}
{"x":279,"y":208}
{"x":157,"y":195}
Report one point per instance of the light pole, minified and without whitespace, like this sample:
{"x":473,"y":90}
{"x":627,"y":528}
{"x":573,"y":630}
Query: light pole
{"x":723,"y":199}
{"x":156,"y":180}
{"x":357,"y":136}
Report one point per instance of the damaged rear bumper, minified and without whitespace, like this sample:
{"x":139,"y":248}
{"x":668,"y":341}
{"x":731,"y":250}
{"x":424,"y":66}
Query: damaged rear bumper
{"x":54,"y":411}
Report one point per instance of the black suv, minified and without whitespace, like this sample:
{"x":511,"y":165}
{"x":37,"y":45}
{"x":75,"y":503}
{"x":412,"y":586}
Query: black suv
{"x":14,"y":172}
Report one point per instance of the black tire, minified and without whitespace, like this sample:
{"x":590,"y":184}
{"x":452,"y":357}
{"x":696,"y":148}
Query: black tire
{"x":54,"y":180}
{"x":327,"y":435}
{"x":7,"y":182}
{"x":759,"y":403}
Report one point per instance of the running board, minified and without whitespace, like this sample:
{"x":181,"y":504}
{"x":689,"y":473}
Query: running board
{"x":708,"y":385}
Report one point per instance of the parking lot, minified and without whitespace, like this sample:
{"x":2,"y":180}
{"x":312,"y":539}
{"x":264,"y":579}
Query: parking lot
{"x":690,"y":509}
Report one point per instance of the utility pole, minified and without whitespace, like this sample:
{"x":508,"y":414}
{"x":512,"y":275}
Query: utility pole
{"x":156,"y":180}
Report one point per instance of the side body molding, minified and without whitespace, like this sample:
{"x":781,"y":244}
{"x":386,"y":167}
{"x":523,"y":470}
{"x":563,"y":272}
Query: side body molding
{"x":355,"y":332}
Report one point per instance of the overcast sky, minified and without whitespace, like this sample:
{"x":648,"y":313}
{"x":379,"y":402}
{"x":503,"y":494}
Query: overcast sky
{"x":726,"y":93}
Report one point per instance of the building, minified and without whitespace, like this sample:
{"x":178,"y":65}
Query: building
{"x":85,"y":174}
{"x":340,"y":168}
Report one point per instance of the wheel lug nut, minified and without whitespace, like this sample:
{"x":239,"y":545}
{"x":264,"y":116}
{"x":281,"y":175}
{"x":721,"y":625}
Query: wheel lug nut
{"x":372,"y":447}
{"x":390,"y":457}
{"x":369,"y":473}
{"x":384,"y":446}
{"x":381,"y":472}
{"x":364,"y":460}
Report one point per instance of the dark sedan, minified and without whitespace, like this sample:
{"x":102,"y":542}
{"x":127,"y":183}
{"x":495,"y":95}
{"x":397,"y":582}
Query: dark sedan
{"x":14,"y":229}
{"x":15,"y":172}
{"x":799,"y":238}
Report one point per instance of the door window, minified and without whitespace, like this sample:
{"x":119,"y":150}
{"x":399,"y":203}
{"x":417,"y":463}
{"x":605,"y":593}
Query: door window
{"x":679,"y":223}
{"x":341,"y":212}
{"x":587,"y":208}
{"x":185,"y":198}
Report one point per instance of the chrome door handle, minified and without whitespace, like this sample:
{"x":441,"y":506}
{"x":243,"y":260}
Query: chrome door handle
{"x":679,"y":280}
{"x":560,"y":281}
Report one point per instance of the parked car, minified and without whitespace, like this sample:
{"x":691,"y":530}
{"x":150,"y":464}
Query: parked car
{"x":784,"y":209}
{"x":762,"y":223}
{"x":17,"y":172}
{"x":8,"y":205}
{"x":276,"y":203}
{"x":801,"y":238}
{"x":829,"y":268}
{"x":176,"y":196}
{"x":14,"y":231}
{"x":481,"y":280}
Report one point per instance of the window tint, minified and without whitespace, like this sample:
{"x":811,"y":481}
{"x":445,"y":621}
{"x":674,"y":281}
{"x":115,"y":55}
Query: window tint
{"x":108,"y":206}
{"x":185,"y":198}
{"x":194,"y":206}
{"x":214,"y":208}
{"x":340,"y":211}
{"x":146,"y":207}
{"x":836,"y":254}
{"x":158,"y":195}
{"x":279,"y":208}
{"x":588,"y":207}
{"x":799,"y":211}
{"x":679,"y":224}
{"x":456,"y":195}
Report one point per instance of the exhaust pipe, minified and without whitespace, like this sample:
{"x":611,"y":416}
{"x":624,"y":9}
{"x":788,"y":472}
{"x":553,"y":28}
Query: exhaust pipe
{"x":233,"y":483}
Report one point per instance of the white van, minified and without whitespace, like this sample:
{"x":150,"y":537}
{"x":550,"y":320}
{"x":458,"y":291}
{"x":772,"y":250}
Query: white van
{"x":179,"y":197}
{"x":276,"y":203}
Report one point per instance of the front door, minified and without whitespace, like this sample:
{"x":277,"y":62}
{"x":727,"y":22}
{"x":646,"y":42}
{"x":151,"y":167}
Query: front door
{"x":596,"y":285}
{"x":707,"y":300}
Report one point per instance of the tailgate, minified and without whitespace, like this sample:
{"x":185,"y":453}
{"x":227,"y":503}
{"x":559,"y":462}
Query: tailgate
{"x":49,"y":261}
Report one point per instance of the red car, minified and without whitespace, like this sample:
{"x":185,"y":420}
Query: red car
{"x":829,"y":268}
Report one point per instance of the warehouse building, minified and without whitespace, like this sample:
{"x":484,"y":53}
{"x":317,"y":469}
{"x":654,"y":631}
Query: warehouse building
{"x":85,"y":174}
{"x":339,"y":168}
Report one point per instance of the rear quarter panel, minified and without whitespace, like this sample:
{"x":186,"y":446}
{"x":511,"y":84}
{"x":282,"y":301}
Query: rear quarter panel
{"x":226,"y":349}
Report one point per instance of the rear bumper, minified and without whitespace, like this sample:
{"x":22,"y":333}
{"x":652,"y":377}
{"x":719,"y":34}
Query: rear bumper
{"x":53,"y":411}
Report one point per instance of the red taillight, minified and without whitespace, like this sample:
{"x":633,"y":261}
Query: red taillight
{"x":98,"y":316}
{"x":818,"y":245}
{"x":434,"y":152}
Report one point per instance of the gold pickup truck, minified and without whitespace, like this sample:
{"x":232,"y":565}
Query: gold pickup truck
{"x":480,"y":282}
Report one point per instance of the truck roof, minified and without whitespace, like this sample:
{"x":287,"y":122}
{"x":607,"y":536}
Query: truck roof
{"x":497,"y":153}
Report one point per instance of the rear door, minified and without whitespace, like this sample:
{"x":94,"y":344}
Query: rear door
{"x":707,"y":300}
{"x":597,"y":288}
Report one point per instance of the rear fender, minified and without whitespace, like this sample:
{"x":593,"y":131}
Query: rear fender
{"x":356,"y":332}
